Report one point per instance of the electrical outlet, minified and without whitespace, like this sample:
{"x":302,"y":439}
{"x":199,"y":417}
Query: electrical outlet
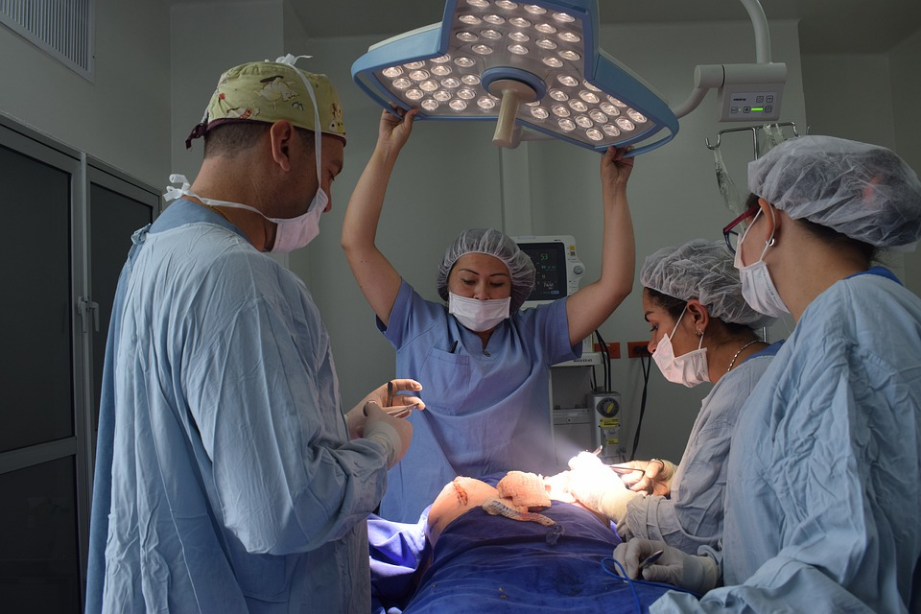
{"x":638,"y":349}
{"x":613,"y":349}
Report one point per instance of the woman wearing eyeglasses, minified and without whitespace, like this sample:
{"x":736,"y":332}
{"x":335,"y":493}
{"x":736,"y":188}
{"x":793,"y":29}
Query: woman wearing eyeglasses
{"x":702,"y":330}
{"x":824,"y":471}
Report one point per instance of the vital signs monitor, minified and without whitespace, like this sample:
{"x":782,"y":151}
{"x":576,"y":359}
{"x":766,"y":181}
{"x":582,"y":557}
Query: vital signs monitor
{"x":557,"y":267}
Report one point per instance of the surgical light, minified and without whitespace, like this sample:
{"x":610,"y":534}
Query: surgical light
{"x":534,"y":66}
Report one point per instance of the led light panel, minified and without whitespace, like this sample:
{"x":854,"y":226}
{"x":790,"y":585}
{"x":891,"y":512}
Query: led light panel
{"x":541,"y":57}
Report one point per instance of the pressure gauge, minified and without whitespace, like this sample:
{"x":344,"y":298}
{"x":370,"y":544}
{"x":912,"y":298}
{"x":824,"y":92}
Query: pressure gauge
{"x":607,"y":404}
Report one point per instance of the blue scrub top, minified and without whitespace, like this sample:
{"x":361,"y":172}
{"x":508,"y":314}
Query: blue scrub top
{"x":486,"y":410}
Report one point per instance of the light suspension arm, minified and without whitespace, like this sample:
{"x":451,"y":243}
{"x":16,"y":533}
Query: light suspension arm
{"x":748,"y":92}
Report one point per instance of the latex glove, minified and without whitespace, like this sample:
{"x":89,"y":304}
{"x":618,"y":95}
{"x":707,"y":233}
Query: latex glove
{"x":392,"y":432}
{"x":694,"y":573}
{"x":597,"y":487}
{"x":654,"y":477}
{"x":388,"y":396}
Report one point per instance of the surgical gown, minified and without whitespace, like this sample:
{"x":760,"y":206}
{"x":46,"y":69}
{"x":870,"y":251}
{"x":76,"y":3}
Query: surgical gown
{"x":225,"y":478}
{"x":693,"y":515}
{"x":486,"y":411}
{"x":824,"y":472}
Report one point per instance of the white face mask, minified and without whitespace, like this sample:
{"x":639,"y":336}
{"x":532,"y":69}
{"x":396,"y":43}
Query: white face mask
{"x":758,"y":288}
{"x":688,"y":369}
{"x":290,"y":233}
{"x":478,"y":315}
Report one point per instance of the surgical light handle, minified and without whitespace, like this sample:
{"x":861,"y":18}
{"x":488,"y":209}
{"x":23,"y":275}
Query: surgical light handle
{"x":513,"y":93}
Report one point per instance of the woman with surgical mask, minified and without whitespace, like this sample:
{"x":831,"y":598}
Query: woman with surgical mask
{"x":824,"y":472}
{"x":702,"y":331}
{"x":484,"y":365}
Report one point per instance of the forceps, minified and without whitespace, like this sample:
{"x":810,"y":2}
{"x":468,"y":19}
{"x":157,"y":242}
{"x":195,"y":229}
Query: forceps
{"x":398,"y":412}
{"x":615,"y":469}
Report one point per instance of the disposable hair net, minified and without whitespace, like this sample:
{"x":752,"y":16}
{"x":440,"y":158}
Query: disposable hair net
{"x":495,"y":243}
{"x":704,"y":271}
{"x":863,"y":191}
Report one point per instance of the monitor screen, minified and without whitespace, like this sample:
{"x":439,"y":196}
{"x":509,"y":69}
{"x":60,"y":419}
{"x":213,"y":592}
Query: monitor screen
{"x":549,"y":259}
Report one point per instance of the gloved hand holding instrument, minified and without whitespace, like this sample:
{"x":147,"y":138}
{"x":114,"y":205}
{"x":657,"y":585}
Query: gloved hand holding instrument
{"x":698,"y":574}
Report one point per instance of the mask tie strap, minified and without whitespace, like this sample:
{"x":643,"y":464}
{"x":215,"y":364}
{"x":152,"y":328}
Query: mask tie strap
{"x":290,"y":59}
{"x":173,"y":193}
{"x":674,"y":330}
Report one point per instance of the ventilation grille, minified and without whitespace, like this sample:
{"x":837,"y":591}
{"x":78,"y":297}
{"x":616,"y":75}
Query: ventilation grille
{"x":62,"y":28}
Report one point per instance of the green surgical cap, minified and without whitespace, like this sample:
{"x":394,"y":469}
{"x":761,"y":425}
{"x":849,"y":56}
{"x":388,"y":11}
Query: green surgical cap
{"x":269,"y":92}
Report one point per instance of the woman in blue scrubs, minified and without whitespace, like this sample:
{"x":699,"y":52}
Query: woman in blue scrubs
{"x":824,"y":480}
{"x":484,"y":365}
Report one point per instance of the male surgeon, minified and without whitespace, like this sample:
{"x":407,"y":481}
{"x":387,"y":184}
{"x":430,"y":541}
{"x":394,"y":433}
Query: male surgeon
{"x":227,"y":477}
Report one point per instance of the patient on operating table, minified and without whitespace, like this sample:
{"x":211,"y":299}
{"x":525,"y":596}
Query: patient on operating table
{"x":504,"y":542}
{"x":519,"y":496}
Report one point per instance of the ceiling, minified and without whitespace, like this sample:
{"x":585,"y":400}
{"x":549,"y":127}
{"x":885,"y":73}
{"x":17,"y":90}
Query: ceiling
{"x":826,"y":26}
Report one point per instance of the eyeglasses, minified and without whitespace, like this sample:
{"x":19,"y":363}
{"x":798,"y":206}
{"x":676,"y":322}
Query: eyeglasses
{"x":731,"y":235}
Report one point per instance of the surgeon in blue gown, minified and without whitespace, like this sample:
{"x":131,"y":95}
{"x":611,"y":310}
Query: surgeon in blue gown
{"x":824,"y":481}
{"x":483,"y":364}
{"x":702,"y":330}
{"x":227,"y":478}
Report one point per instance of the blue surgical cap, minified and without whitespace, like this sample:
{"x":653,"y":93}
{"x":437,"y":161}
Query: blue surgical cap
{"x":494,"y":243}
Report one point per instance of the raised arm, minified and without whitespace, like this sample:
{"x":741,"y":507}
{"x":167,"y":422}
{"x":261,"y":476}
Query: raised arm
{"x":376,"y":277}
{"x":592,"y":304}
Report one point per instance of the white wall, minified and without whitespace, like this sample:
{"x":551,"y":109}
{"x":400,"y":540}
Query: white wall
{"x":122,"y":117}
{"x":849,"y":96}
{"x":906,"y":91}
{"x":871,"y":98}
{"x":204,"y":42}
